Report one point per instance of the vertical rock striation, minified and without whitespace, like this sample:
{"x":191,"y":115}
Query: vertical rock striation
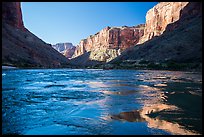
{"x":160,"y":16}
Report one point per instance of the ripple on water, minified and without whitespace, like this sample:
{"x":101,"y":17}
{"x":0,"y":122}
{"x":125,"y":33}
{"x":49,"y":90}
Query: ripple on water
{"x":68,"y":101}
{"x":8,"y":89}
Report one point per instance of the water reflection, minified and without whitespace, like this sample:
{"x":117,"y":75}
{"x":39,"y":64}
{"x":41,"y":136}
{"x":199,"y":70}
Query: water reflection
{"x":101,"y":102}
{"x":142,"y":115}
{"x":165,"y":104}
{"x":154,"y":97}
{"x":132,"y":116}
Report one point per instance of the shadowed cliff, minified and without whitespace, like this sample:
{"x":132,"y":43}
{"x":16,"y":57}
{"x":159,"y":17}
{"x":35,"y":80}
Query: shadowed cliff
{"x":21,"y":48}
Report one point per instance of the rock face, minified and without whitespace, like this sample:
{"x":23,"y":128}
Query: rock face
{"x":190,"y":11}
{"x":69,"y":52}
{"x":172,"y":32}
{"x":21,"y":48}
{"x":109,"y":42}
{"x":180,"y":44}
{"x":11,"y":14}
{"x":67,"y":49}
{"x":160,"y":16}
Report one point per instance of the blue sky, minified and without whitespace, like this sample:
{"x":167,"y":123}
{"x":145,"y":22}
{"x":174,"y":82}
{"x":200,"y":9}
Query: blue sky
{"x":56,"y":22}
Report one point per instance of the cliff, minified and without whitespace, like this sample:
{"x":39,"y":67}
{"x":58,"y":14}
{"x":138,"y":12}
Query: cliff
{"x":178,"y":47}
{"x":67,"y":49}
{"x":160,"y":16}
{"x":21,"y":48}
{"x":12,"y":15}
{"x":109,"y":42}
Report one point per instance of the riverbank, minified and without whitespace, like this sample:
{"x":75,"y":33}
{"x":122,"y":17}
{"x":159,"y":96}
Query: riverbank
{"x":170,"y":66}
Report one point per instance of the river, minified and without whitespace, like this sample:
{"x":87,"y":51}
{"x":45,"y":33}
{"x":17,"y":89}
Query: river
{"x":101,"y":102}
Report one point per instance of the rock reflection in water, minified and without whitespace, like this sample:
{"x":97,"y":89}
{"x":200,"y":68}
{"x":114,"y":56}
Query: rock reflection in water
{"x":165,"y":106}
{"x":132,"y":116}
{"x":143,"y":115}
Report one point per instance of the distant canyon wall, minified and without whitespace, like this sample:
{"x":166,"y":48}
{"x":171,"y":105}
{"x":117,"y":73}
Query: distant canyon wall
{"x":109,"y":42}
{"x":67,"y":49}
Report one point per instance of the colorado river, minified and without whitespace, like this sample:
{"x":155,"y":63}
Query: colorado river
{"x":95,"y":102}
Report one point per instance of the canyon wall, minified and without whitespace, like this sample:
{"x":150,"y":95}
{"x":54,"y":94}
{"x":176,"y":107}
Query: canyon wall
{"x":11,"y":14}
{"x":190,"y":11}
{"x":179,"y":47}
{"x":21,"y":48}
{"x":67,"y":49}
{"x":160,"y":16}
{"x":165,"y":17}
{"x":109,"y":42}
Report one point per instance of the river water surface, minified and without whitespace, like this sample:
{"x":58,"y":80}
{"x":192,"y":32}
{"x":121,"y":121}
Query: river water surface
{"x":113,"y":102}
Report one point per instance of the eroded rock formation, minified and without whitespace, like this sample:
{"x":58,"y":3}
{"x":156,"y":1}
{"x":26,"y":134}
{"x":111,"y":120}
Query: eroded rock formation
{"x":189,"y":12}
{"x":160,"y":16}
{"x":109,"y":42}
{"x":178,"y":47}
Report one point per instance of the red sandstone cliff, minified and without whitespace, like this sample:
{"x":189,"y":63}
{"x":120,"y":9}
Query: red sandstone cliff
{"x":109,"y":42}
{"x":160,"y":16}
{"x":178,"y":47}
{"x":190,"y":11}
{"x":164,"y":17}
